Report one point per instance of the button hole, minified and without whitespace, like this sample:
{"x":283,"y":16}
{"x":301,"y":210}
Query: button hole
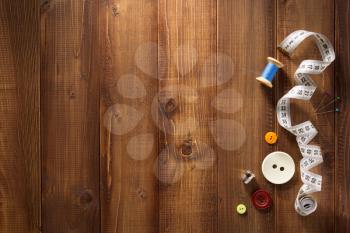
{"x":282,"y":169}
{"x":274,"y":166}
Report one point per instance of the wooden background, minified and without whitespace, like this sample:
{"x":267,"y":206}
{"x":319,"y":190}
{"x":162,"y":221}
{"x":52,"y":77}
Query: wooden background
{"x":63,"y":171}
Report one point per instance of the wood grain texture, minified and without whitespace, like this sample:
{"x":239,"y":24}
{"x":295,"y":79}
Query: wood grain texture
{"x":316,"y":16}
{"x":187,"y":166}
{"x":70,"y":117}
{"x":342,"y":83}
{"x":19,"y":114}
{"x":140,"y":115}
{"x":246,"y":34}
{"x":129,"y":187}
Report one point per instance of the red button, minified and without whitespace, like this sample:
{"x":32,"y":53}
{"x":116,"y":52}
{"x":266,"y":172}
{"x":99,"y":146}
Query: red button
{"x":261,"y":199}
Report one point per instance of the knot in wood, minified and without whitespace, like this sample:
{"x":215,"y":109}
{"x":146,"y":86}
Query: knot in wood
{"x":186,"y":149}
{"x":170,"y":106}
{"x":86,"y":197}
{"x":72,"y":95}
{"x":116,"y":115}
{"x":141,"y":193}
{"x":115,"y":10}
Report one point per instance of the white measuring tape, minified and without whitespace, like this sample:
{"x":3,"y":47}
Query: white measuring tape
{"x":305,"y":132}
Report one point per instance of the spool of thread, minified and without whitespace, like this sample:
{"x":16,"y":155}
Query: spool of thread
{"x":270,"y":71}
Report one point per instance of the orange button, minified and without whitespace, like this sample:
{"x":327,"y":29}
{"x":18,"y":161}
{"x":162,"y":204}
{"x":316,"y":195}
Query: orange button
{"x":271,"y":137}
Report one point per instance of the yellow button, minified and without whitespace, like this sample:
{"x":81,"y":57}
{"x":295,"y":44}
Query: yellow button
{"x":271,"y":137}
{"x":241,"y":209}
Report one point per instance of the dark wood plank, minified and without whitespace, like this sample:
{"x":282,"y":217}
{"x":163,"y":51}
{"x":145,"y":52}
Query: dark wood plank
{"x":129,"y":187}
{"x":317,"y":16}
{"x":342,"y":82}
{"x":247,"y":35}
{"x":187,"y":161}
{"x":70,"y":116}
{"x":19,"y":113}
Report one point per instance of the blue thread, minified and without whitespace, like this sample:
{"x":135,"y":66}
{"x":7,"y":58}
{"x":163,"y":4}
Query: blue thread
{"x":270,"y":71}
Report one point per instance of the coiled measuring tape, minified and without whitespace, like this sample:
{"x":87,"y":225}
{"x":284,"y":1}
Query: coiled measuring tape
{"x":305,"y":204}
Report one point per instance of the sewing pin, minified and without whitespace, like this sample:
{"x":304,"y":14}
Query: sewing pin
{"x":322,"y":100}
{"x":332,"y":101}
{"x":335,"y":110}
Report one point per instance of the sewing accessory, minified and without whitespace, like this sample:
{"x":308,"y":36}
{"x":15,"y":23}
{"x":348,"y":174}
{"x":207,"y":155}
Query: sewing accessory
{"x":335,"y":110}
{"x":305,"y":205}
{"x":271,"y":137}
{"x":322,"y":100}
{"x":329,"y":103}
{"x":247,"y":176}
{"x":270,"y":71}
{"x":261,"y":199}
{"x":278,"y":167}
{"x":241,"y":209}
{"x":304,"y":90}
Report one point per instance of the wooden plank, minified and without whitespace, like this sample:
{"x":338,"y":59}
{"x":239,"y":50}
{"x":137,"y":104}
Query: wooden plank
{"x":186,"y":165}
{"x":342,"y":82}
{"x":70,"y":116}
{"x":19,"y":113}
{"x":129,"y":187}
{"x":317,"y":16}
{"x":246,"y":31}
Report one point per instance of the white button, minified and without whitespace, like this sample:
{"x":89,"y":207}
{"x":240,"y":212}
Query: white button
{"x":278,"y":167}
